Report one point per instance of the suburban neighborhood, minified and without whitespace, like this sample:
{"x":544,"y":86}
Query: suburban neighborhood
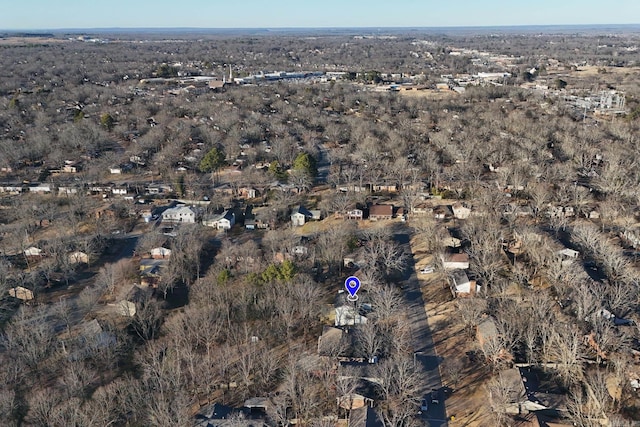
{"x":179,"y":222}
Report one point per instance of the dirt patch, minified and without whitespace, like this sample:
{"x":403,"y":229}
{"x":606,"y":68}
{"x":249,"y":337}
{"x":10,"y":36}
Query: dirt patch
{"x":430,"y":93}
{"x":592,"y":70}
{"x":21,"y":41}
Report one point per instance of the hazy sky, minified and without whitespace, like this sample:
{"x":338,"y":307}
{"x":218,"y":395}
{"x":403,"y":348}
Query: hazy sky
{"x":52,"y":14}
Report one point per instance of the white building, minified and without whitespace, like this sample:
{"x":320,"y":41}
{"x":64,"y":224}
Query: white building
{"x":33,"y":251}
{"x":224,"y":221}
{"x":347,"y":315}
{"x":461,"y":285}
{"x":180,"y":213}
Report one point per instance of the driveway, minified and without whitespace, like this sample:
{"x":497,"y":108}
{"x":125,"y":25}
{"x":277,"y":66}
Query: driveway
{"x":424,"y":349}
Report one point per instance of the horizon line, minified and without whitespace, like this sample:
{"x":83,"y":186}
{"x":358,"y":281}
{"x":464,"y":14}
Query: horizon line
{"x":284,"y":28}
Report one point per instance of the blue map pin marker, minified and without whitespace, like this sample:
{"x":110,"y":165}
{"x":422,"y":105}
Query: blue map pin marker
{"x":352,"y":284}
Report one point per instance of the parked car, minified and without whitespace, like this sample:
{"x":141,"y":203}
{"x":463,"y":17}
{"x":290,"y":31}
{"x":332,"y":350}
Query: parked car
{"x":424,"y":407}
{"x":427,"y":270}
{"x":435,"y":397}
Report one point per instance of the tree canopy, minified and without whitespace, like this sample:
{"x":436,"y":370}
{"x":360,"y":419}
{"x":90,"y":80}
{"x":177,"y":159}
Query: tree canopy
{"x":212,"y":161}
{"x":306,"y":163}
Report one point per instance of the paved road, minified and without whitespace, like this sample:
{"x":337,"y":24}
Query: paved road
{"x":323,"y":165}
{"x":423,"y":346}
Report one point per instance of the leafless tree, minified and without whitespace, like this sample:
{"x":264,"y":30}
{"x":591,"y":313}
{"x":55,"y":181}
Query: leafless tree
{"x":400,"y":389}
{"x":385,"y":255}
{"x":9,"y":406}
{"x":368,"y":340}
{"x":471,"y":311}
{"x":42,"y":407}
{"x":583,"y":411}
{"x":385,"y":300}
{"x":28,"y":339}
{"x":300,"y":392}
{"x":453,"y":369}
{"x":147,"y":319}
{"x":76,"y":378}
{"x":565,"y":347}
{"x":332,"y":245}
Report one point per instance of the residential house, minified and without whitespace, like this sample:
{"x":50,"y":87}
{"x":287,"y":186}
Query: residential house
{"x":160,"y":253}
{"x":440,"y":212}
{"x":253,"y":222}
{"x":568,"y":253}
{"x":388,"y":188}
{"x":119,"y":191}
{"x":223,"y":189}
{"x":421,"y":209}
{"x":461,"y":285}
{"x":300,"y":215}
{"x":99,"y":189}
{"x":460,"y":211}
{"x":486,"y":331}
{"x":352,"y":401}
{"x":223,"y":221}
{"x":355,"y":213}
{"x":216,"y":84}
{"x":347,"y":315}
{"x":70,"y":168}
{"x":180,"y":214}
{"x":258,"y":405}
{"x":380,"y":212}
{"x":490,"y":341}
{"x":21,"y":293}
{"x":66,"y":190}
{"x":515,"y":392}
{"x":451,"y":242}
{"x":247,"y":193}
{"x":40,"y":188}
{"x":33,"y":252}
{"x":354,"y":188}
{"x":455,"y":261}
{"x":224,"y":416}
{"x":153,"y":189}
{"x":331,"y":341}
{"x":567,"y":256}
{"x":78,"y":257}
{"x":363,"y":416}
{"x":151,"y":271}
{"x":593,"y":215}
{"x":11,"y":188}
